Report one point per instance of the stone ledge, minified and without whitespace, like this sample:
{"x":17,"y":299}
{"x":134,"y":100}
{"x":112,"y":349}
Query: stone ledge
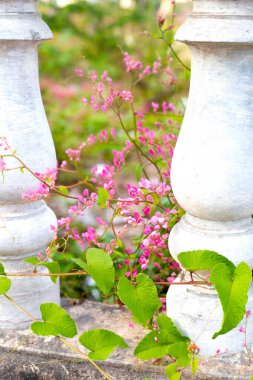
{"x":47,"y":359}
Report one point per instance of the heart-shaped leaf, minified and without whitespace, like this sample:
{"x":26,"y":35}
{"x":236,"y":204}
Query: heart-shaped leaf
{"x":233,"y":293}
{"x":101,"y":342}
{"x":5,"y":284}
{"x":173,"y":334}
{"x":153,"y":346}
{"x":141,"y":298}
{"x":158,"y":343}
{"x":203,"y":260}
{"x":100,"y":267}
{"x":56,"y":322}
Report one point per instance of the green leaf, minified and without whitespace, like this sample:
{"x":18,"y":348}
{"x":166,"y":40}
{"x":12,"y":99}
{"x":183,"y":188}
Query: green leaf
{"x":63,"y":190}
{"x":176,"y":376}
{"x":56,"y":322}
{"x":32,"y":260}
{"x":183,"y":361}
{"x":101,"y":342}
{"x":152,"y":346}
{"x":5,"y":284}
{"x":171,"y":370}
{"x":178,"y":349}
{"x":119,"y":243}
{"x":2,"y":271}
{"x":103,"y":196}
{"x":80,"y":263}
{"x":173,"y":334}
{"x":159,"y":343}
{"x":203,"y":260}
{"x":233,"y":293}
{"x":53,"y":267}
{"x":194,"y":364}
{"x":100,"y":267}
{"x":251,"y":378}
{"x":141,"y":298}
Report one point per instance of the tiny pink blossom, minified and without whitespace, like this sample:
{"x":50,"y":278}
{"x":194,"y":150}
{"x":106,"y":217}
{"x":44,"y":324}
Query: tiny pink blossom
{"x":155,"y":106}
{"x":2,"y":165}
{"x":100,"y":221}
{"x":79,"y":72}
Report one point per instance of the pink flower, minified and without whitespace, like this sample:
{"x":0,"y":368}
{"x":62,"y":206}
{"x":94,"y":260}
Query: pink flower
{"x":94,"y":76}
{"x":242,"y":329}
{"x":146,"y":210}
{"x":104,"y":75}
{"x":155,"y":106}
{"x":248,"y":313}
{"x":2,"y":165}
{"x":79,"y":72}
{"x":41,"y":192}
{"x":63,"y":164}
{"x":144,"y":262}
{"x":100,"y":221}
{"x":130,"y":63}
{"x":100,"y":88}
{"x":73,"y":154}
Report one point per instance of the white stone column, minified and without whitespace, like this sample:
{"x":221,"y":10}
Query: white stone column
{"x":24,"y":227}
{"x":212,"y":169}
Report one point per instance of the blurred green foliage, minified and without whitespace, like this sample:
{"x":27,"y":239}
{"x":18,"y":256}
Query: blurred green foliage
{"x":92,"y":35}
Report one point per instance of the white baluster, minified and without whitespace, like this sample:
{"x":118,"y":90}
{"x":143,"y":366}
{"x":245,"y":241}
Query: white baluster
{"x":24,"y":227}
{"x":212,"y":169}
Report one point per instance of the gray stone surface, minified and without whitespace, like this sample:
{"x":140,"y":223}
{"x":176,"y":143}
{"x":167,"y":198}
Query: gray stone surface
{"x":47,"y":359}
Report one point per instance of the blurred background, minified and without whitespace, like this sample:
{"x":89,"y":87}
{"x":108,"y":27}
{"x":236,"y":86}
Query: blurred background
{"x":92,"y":34}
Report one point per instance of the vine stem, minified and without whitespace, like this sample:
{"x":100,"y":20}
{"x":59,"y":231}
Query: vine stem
{"x":73,"y":348}
{"x":169,"y":44}
{"x":43,"y":274}
{"x":66,"y":343}
{"x":184,"y":283}
{"x":19,"y":307}
{"x":15,"y":348}
{"x":137,"y":146}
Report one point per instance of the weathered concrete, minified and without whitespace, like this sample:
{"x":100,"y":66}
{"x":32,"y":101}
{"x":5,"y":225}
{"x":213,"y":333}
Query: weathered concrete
{"x":24,"y":227}
{"x":212,"y":171}
{"x":48,"y":359}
